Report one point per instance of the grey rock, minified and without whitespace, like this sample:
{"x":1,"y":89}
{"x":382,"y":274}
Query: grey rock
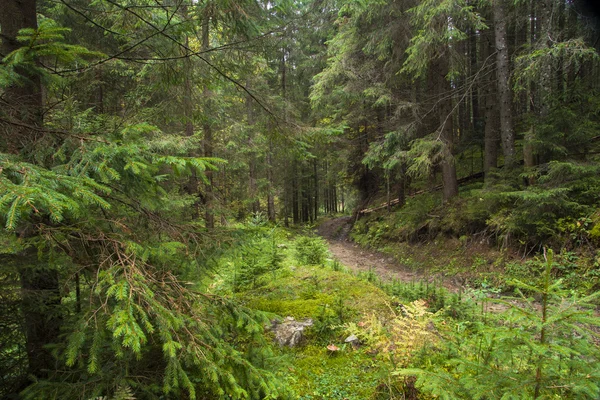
{"x":353,"y":340}
{"x":289,"y":332}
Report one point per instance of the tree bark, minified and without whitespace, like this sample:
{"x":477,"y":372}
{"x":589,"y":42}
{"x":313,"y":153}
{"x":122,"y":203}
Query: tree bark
{"x":40,"y":294}
{"x":22,"y":102}
{"x":295,"y":209}
{"x":252,"y":162}
{"x":507,"y":134}
{"x":402,"y":186}
{"x":316,"y":189}
{"x":209,"y":217}
{"x":271,"y":183}
{"x":191,"y":186}
{"x":492,"y":120}
{"x":449,"y":181}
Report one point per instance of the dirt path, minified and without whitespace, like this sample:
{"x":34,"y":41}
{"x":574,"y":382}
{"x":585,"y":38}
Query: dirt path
{"x":336,"y":232}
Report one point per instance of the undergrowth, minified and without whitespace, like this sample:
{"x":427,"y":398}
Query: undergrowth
{"x":417,"y":340}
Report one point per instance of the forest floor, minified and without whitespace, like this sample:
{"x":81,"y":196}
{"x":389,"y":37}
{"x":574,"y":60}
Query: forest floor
{"x":352,"y":255}
{"x":357,"y":258}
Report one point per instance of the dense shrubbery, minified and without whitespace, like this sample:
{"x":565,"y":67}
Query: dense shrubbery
{"x":561,"y":209}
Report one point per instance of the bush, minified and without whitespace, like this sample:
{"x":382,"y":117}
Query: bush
{"x":536,"y":350}
{"x":257,"y":256}
{"x":311,"y":250}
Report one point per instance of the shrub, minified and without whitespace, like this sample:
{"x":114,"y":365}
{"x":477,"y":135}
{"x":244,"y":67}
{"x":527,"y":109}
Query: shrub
{"x":310,"y":250}
{"x":542,"y":349}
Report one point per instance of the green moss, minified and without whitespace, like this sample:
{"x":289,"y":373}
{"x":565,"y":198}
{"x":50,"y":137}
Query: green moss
{"x":347,"y":374}
{"x":309,"y":289}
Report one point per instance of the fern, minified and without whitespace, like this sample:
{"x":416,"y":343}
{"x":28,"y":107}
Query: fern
{"x":533,"y":351}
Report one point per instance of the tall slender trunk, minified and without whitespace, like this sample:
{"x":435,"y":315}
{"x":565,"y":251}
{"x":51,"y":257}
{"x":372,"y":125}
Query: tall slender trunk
{"x":491,"y":134}
{"x":507,"y":134}
{"x":295,"y":209}
{"x":271,"y":184}
{"x":449,"y":181}
{"x":99,"y":95}
{"x":252,"y":162}
{"x":476,"y":121}
{"x":191,"y":186}
{"x":20,"y":102}
{"x":286,"y":202}
{"x":402,"y":186}
{"x":316,"y":189}
{"x":209,"y":217}
{"x":23,"y":103}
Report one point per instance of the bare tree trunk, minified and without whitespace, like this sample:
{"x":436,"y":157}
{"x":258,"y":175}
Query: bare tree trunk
{"x":209,"y":217}
{"x":286,"y":202}
{"x":492,"y":121}
{"x":449,"y":181}
{"x":188,"y":115}
{"x":20,"y":102}
{"x":295,"y":209}
{"x":476,"y":122}
{"x":99,"y":95}
{"x":316,"y":189}
{"x":271,"y":183}
{"x":507,"y":133}
{"x":252,"y":164}
{"x":402,"y":186}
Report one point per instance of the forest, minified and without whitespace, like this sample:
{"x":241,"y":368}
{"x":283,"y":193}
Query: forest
{"x":410,"y":187}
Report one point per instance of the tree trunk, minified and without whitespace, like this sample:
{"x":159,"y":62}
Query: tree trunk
{"x":477,"y":123}
{"x":188,"y":117}
{"x":41,"y":311}
{"x":492,"y":120}
{"x":503,"y":78}
{"x":209,"y":217}
{"x":252,"y":163}
{"x":22,"y":103}
{"x":402,"y":186}
{"x":449,"y":181}
{"x":316,"y":189}
{"x":295,"y":209}
{"x":271,"y":184}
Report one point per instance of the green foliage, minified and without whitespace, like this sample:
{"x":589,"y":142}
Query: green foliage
{"x":531,"y":65}
{"x":140,"y":317}
{"x":310,"y":250}
{"x":352,"y":375}
{"x":396,"y":339}
{"x":542,"y":347}
{"x":97,"y":197}
{"x":538,"y":213}
{"x":257,"y":256}
{"x":46,"y":42}
{"x":440,"y":26}
{"x":416,"y":220}
{"x":434,"y":295}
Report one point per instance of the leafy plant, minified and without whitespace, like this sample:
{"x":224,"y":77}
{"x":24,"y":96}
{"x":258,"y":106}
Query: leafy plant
{"x":398,"y":338}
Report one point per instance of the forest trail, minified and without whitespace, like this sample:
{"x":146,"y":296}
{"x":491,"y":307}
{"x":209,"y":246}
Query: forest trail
{"x":336,"y":232}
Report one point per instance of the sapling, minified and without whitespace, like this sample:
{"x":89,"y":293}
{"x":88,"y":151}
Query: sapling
{"x":541,"y":347}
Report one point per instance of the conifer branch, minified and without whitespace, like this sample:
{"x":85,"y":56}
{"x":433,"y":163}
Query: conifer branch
{"x":190,"y":51}
{"x":52,"y":131}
